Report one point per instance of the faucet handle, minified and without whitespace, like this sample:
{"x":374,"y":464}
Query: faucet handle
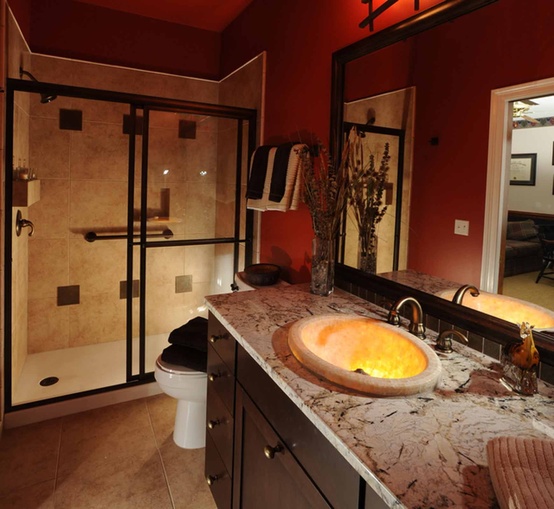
{"x":444,"y":341}
{"x":417,"y":329}
{"x":393,"y":318}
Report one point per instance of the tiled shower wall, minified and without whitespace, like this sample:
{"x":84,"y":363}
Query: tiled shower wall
{"x":84,"y":187}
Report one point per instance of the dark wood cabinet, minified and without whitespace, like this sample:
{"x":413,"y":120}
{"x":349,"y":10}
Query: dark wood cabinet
{"x":262,"y":452}
{"x":267,"y":475}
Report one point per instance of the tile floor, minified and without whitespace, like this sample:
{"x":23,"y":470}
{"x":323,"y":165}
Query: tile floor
{"x":121,"y":456}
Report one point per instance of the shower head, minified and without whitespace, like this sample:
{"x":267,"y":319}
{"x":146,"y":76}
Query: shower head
{"x":44,"y":98}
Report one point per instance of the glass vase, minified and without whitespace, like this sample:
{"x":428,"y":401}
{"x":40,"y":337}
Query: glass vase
{"x":323,"y":266}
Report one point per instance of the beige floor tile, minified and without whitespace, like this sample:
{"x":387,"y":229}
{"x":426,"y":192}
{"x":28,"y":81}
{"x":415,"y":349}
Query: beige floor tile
{"x":185,"y":473}
{"x":37,"y":496}
{"x":29,"y":455}
{"x":162,"y":410}
{"x":127,"y":485}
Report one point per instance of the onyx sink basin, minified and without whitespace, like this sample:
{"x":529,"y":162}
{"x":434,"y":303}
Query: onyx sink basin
{"x":364,"y":354}
{"x":506,"y":308}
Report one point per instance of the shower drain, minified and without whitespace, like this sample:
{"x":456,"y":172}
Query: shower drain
{"x":50,"y":380}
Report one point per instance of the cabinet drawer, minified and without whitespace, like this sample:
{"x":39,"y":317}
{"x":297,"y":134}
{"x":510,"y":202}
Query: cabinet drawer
{"x":222,"y":342}
{"x":217,"y":476}
{"x":221,"y":380}
{"x":336,"y":478}
{"x":269,"y":477}
{"x":220,"y":425}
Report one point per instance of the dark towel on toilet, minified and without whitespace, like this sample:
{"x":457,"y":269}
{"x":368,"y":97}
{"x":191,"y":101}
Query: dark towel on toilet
{"x":279,"y":175}
{"x":194,"y":334}
{"x":188,"y":357}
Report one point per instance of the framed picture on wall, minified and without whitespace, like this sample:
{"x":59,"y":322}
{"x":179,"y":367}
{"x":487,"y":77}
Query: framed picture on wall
{"x":523,"y":169}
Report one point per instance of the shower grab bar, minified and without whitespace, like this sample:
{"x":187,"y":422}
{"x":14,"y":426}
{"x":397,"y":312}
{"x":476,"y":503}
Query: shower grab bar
{"x":92,"y":236}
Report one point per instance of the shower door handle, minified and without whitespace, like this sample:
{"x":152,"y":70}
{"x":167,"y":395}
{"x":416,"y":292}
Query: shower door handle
{"x":21,"y":223}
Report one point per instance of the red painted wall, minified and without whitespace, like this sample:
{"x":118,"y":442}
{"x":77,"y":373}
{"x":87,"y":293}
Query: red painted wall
{"x":299,"y":38}
{"x":82,"y":31}
{"x":498,"y":46}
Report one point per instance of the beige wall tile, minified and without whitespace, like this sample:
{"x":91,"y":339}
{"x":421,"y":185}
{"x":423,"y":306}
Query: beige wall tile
{"x":50,"y":214}
{"x":48,"y":267}
{"x":48,"y":325}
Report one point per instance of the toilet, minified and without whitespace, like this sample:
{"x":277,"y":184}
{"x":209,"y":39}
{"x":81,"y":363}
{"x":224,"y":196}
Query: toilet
{"x":189,"y":388}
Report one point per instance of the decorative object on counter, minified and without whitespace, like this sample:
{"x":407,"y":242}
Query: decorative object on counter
{"x":325,"y":184}
{"x":262,"y":274}
{"x":520,"y":361}
{"x":366,"y":185}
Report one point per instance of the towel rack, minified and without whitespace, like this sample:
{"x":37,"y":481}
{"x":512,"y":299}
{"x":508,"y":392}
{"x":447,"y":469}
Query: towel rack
{"x":93,"y":236}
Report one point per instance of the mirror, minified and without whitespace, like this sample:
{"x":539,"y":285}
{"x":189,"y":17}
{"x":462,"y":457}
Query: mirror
{"x":452,"y":69}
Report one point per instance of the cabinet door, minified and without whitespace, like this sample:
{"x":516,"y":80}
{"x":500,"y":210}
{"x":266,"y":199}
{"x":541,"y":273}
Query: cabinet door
{"x":266,"y":473}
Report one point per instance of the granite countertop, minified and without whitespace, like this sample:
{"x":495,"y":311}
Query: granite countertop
{"x":420,"y":451}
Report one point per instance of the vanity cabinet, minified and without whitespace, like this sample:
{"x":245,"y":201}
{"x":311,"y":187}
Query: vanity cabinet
{"x":262,"y":452}
{"x":220,"y":413}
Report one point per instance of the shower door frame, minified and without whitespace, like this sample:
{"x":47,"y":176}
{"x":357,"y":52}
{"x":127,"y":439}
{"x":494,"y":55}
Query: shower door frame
{"x":145,"y":104}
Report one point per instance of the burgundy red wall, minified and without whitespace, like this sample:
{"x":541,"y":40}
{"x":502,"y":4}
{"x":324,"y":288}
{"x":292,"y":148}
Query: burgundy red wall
{"x":503,"y":46}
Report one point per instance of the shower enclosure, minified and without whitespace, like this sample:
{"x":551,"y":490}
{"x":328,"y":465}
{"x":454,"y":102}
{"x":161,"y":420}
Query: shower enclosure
{"x":122,"y":213}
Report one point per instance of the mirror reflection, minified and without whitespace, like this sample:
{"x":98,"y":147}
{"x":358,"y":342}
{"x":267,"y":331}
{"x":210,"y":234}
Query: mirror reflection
{"x":437,"y":86}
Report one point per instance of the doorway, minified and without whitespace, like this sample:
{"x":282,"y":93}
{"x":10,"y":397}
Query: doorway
{"x":499,"y":183}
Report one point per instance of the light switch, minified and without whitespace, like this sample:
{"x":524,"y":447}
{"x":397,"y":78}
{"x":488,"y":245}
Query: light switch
{"x":461,"y":227}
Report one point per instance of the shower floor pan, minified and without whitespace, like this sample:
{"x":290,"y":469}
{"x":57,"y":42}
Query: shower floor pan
{"x":79,"y":369}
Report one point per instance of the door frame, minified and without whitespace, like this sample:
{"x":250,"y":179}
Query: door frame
{"x":496,"y":204}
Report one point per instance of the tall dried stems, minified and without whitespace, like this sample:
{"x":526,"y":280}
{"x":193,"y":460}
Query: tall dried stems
{"x":365,"y":188}
{"x":325,"y":185}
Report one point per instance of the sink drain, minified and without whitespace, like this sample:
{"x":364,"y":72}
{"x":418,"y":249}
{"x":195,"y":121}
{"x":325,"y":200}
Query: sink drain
{"x":50,"y":380}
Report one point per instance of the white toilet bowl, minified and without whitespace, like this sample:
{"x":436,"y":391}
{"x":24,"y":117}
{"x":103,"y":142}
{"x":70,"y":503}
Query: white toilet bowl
{"x":189,"y":387}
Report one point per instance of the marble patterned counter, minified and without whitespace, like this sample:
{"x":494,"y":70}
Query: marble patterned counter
{"x":420,"y":451}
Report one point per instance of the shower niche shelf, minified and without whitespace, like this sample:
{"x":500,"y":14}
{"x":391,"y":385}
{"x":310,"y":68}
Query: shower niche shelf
{"x":25,"y":192}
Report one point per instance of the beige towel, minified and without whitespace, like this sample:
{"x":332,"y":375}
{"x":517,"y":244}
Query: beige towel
{"x":262,"y":203}
{"x":522,"y":472}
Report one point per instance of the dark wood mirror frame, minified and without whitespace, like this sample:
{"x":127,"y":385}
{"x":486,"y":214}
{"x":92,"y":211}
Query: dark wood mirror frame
{"x":497,"y":330}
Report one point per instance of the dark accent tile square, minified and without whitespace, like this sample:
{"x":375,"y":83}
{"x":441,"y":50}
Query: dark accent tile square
{"x":183,"y":284}
{"x":71,"y":120}
{"x":135,"y":292}
{"x":475,"y":341}
{"x":432,"y":323}
{"x":492,"y":349}
{"x":139,"y":123}
{"x":68,"y":295}
{"x":187,"y":129}
{"x":547,"y":373}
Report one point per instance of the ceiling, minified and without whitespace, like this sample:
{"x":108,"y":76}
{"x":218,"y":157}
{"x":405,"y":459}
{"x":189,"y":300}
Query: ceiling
{"x":543,"y":108}
{"x":213,"y":15}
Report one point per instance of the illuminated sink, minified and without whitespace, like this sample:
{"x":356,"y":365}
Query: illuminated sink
{"x":364,"y":354}
{"x":506,"y":308}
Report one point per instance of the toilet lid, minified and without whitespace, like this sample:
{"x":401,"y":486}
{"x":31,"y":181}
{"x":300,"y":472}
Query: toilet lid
{"x":173,"y":368}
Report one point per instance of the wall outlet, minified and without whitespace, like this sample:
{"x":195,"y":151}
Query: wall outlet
{"x":461,"y":227}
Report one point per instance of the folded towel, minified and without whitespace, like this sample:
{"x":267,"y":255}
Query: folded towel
{"x":522,"y":472}
{"x":187,"y":357}
{"x":194,"y":334}
{"x":286,"y":184}
{"x":258,"y":171}
{"x":293,"y":185}
{"x":279,"y":173}
{"x":261,"y":203}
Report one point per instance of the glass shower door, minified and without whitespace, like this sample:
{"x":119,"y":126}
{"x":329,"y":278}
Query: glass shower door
{"x":68,"y":310}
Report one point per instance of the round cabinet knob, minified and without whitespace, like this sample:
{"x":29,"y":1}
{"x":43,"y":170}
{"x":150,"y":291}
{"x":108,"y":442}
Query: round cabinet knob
{"x":210,"y":479}
{"x":216,"y":337}
{"x":213,"y":423}
{"x":270,"y":452}
{"x":212,"y":377}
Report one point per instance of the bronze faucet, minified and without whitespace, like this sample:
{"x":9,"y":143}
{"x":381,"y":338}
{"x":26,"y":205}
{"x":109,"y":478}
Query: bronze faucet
{"x":444,"y":341}
{"x":416,"y":326}
{"x":459,"y":295}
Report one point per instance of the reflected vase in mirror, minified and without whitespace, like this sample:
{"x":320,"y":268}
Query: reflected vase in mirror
{"x":368,"y":254}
